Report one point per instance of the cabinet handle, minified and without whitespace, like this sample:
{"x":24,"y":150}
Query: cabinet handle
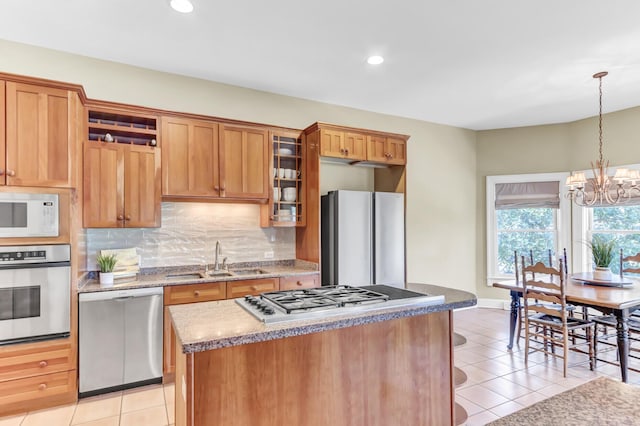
{"x":42,"y":386}
{"x":196,"y":293}
{"x":11,"y":173}
{"x":120,"y":217}
{"x":43,"y":364}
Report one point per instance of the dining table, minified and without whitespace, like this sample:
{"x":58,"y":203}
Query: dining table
{"x":619,"y":301}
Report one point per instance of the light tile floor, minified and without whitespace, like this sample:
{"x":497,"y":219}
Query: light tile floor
{"x":497,"y":383}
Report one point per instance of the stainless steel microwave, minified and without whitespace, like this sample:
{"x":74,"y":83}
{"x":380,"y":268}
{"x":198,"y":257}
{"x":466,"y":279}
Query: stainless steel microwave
{"x":28,"y":215}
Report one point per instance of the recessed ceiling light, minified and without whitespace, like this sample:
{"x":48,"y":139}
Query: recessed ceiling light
{"x":375,"y":60}
{"x":182,"y":6}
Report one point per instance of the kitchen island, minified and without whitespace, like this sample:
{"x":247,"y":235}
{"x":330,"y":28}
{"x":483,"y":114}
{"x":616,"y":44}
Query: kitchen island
{"x":388,"y":366}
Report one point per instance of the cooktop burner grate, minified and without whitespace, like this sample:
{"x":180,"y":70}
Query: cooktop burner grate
{"x":324,"y":297}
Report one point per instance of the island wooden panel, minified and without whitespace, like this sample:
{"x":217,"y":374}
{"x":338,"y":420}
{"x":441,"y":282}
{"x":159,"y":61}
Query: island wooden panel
{"x":387,"y":373}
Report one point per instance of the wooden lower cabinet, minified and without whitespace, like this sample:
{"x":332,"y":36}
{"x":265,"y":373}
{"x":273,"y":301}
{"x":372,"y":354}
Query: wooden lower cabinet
{"x":38,"y":391}
{"x":299,"y":281}
{"x":181,"y":294}
{"x":243,"y":288}
{"x":35,"y":376}
{"x":396,"y":372}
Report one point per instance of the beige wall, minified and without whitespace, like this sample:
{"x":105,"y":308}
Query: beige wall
{"x":440,"y":228}
{"x":551,"y":148}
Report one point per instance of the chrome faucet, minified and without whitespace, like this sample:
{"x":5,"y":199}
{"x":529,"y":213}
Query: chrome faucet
{"x":216,"y":264}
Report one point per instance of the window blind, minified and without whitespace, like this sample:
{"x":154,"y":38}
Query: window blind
{"x":522,"y":195}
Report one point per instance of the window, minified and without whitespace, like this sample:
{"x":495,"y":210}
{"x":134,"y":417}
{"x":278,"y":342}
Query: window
{"x":621,"y":222}
{"x":525,"y":212}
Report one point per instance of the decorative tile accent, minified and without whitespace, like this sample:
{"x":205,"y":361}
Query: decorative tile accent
{"x":189,"y":233}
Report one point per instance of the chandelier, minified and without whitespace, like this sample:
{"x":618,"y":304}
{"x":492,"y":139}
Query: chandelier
{"x":602,"y":189}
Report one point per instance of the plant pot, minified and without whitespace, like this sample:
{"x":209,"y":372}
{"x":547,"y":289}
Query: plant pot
{"x":106,"y":279}
{"x":602,"y":274}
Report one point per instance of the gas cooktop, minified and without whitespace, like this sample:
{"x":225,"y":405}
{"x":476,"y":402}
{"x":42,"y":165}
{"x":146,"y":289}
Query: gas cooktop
{"x":326,"y":301}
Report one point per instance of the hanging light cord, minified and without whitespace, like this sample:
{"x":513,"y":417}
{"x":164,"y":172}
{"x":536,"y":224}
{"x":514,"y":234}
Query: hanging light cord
{"x":600,"y":121}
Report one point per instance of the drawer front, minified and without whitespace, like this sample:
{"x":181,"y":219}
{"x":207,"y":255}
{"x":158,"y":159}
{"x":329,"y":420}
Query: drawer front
{"x":299,"y":281}
{"x":242,"y":288}
{"x":21,"y":363}
{"x":205,"y":292}
{"x":22,"y":391}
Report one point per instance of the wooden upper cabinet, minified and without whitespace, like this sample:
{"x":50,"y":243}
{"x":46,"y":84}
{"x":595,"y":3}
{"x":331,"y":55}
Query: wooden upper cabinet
{"x":121,"y":186}
{"x":103,"y":185}
{"x":244,"y":160}
{"x":40,"y":135}
{"x":2,"y":133}
{"x":331,"y":143}
{"x":141,"y":186}
{"x":355,"y":147}
{"x":397,"y":149}
{"x":347,"y":145}
{"x":376,"y":149}
{"x":190,"y":164}
{"x":381,"y":149}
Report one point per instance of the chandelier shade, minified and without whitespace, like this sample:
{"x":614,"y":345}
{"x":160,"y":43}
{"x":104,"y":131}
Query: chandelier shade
{"x":603,"y":189}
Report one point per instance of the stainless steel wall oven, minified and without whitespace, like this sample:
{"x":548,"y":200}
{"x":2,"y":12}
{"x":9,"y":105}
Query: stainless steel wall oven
{"x":35,"y":286}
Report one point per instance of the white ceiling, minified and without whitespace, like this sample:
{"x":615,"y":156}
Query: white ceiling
{"x":477,"y":64}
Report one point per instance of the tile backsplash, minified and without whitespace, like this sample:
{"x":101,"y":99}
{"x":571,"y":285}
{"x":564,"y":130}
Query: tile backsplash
{"x":189,"y":233}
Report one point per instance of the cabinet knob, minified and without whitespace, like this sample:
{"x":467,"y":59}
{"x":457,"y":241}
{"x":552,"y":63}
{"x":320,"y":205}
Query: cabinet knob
{"x":11,"y":173}
{"x":196,"y":293}
{"x":128,"y":217}
{"x":43,"y":364}
{"x":217,"y":188}
{"x":390,"y":156}
{"x":299,"y":283}
{"x":346,"y":151}
{"x":42,"y":386}
{"x":254,"y":288}
{"x":120,"y":217}
{"x":341,"y":150}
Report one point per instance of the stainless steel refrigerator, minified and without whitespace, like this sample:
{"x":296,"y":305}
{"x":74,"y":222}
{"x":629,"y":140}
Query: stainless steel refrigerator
{"x":362,"y":237}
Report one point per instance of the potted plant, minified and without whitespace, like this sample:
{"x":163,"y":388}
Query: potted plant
{"x":106,"y":262}
{"x":603,"y":252}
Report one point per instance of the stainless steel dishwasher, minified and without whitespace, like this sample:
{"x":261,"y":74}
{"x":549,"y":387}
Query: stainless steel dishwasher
{"x":120,"y":334}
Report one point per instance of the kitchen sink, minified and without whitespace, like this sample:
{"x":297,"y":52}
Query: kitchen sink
{"x":185,"y":276}
{"x":248,"y":271}
{"x":219,"y":274}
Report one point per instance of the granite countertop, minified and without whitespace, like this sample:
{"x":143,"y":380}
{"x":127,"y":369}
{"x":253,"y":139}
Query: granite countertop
{"x":212,"y":325}
{"x":157,"y":277}
{"x":601,"y":401}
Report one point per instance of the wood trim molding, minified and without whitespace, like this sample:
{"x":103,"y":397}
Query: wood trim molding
{"x":44,"y":82}
{"x":321,"y":125}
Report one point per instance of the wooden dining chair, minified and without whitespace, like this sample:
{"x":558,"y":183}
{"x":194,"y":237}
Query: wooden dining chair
{"x":548,"y":324}
{"x":571,"y":308}
{"x":605,"y":336}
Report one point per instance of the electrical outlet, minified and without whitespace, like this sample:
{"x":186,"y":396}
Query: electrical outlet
{"x":268,"y":254}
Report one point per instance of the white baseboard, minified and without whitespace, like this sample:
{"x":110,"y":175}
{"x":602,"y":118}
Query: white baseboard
{"x":495,"y":304}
